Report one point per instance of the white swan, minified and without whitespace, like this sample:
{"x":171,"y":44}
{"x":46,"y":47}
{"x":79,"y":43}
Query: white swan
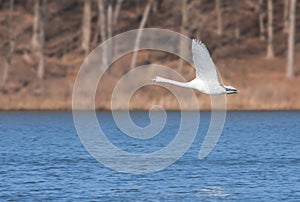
{"x":206,"y":80}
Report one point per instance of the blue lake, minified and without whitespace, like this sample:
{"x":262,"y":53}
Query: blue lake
{"x":257,"y":159}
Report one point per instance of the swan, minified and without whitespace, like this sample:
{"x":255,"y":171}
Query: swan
{"x":206,"y":80}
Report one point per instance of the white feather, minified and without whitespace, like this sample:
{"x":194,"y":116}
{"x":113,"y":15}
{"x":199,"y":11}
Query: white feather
{"x":206,"y":80}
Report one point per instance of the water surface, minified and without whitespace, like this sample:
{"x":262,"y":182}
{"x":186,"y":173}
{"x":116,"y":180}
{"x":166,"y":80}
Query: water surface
{"x":257,"y":158}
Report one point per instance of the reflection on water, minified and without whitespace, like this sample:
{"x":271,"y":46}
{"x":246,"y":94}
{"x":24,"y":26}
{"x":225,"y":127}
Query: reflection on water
{"x":213,"y":191}
{"x":257,"y":158}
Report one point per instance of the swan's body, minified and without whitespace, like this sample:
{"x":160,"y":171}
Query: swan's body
{"x":206,"y":80}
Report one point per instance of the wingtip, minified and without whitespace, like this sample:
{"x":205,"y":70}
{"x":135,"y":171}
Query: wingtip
{"x":199,"y":42}
{"x":196,"y":40}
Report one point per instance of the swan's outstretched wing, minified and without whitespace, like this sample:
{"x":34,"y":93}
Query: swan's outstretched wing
{"x":205,"y":67}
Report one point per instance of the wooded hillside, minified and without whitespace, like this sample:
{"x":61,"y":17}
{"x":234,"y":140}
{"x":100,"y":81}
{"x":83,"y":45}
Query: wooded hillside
{"x":255,"y":44}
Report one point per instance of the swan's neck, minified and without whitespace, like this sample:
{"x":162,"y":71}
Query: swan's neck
{"x":177,"y":83}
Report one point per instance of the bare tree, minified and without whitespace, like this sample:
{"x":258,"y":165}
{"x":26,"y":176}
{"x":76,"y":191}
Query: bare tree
{"x":35,"y":30}
{"x":38,"y":36}
{"x":11,"y":45}
{"x":236,"y":10}
{"x":41,"y":36}
{"x":219,"y":16}
{"x":291,"y":40}
{"x":107,"y":17}
{"x":261,"y":16}
{"x":102,"y":19}
{"x":270,"y":50}
{"x":116,"y":12}
{"x":107,"y":20}
{"x":183,"y":28}
{"x":86,"y":26}
{"x":140,"y":31}
{"x":286,"y":16}
{"x":109,"y":29}
{"x":102,"y":26}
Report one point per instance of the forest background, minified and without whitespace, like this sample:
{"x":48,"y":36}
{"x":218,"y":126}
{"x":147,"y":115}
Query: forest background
{"x":254,"y":44}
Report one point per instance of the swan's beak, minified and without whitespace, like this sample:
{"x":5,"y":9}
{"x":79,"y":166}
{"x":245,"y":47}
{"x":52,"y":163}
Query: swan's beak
{"x":232,"y":91}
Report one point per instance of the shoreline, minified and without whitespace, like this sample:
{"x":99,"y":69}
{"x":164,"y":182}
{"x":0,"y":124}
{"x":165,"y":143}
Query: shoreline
{"x":139,"y":110}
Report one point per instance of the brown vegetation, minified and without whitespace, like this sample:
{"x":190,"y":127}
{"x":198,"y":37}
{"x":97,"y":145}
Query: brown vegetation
{"x":234,"y":31}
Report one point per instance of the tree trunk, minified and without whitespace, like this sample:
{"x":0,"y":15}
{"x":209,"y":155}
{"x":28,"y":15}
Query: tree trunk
{"x":35,"y":30}
{"x":102,"y":19}
{"x":139,"y":34}
{"x":102,"y":27}
{"x":114,"y":22}
{"x":291,"y":40}
{"x":41,"y":65}
{"x":116,"y":12}
{"x":109,"y":29}
{"x":183,"y":28}
{"x":86,"y":26}
{"x":270,"y":50}
{"x":286,"y":16}
{"x":237,"y":19}
{"x":219,"y":17}
{"x":261,"y":16}
{"x":106,"y":23}
{"x":10,"y":51}
{"x":109,"y":21}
